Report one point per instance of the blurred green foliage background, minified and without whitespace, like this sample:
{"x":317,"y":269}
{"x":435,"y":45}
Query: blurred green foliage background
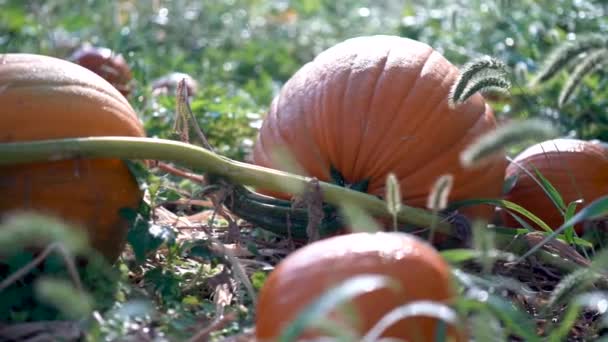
{"x":241,"y":51}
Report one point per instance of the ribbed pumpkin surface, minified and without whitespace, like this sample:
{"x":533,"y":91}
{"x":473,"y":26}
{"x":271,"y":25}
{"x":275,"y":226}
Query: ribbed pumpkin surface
{"x":379,"y":104}
{"x":578,"y":169}
{"x":47,"y":98}
{"x":312,"y":270}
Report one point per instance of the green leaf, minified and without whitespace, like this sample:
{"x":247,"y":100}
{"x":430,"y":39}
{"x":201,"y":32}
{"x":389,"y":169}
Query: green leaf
{"x":258,"y":279}
{"x":332,"y":298}
{"x":460,"y":255}
{"x":191,"y":301}
{"x":198,"y":248}
{"x":146,"y":236}
{"x":164,"y":282}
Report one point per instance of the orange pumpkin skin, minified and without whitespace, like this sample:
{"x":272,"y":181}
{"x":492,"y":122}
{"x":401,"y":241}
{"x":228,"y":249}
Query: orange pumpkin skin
{"x":47,"y":98}
{"x":578,"y":169}
{"x":310,"y":271}
{"x":379,"y":104}
{"x":105,"y":63}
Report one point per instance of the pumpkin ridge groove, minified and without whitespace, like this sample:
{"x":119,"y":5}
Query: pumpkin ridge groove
{"x":454,"y":144}
{"x":326,"y":136}
{"x":380,"y":166}
{"x":280,"y":132}
{"x":340,"y":154}
{"x":366,"y":122}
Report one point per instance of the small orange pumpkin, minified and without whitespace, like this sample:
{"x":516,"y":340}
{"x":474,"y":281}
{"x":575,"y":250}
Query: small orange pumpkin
{"x":48,"y":98}
{"x":374,"y":105}
{"x":107,"y":64}
{"x":310,"y":271}
{"x":578,"y":169}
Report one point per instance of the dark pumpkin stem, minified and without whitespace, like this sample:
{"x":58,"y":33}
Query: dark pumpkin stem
{"x":275,"y":214}
{"x":336,"y":176}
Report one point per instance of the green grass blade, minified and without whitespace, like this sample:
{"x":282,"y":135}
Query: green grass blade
{"x":570,"y":212}
{"x":505,"y":205}
{"x":551,"y":191}
{"x":490,"y":283}
{"x":423,"y":308}
{"x":486,"y":327}
{"x":514,"y":319}
{"x":460,"y":255}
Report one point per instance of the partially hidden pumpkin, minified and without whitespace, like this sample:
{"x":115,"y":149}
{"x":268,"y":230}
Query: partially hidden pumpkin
{"x":106,"y":63}
{"x":42,"y":98}
{"x":167,"y":84}
{"x":310,"y":271}
{"x":578,"y":169}
{"x":373,"y":105}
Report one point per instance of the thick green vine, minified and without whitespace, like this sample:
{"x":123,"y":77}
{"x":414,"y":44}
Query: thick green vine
{"x":235,"y":172}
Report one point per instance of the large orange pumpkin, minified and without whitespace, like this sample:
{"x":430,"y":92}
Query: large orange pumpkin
{"x":312,"y":270}
{"x":578,"y":169}
{"x":43,"y":97}
{"x":373,"y":105}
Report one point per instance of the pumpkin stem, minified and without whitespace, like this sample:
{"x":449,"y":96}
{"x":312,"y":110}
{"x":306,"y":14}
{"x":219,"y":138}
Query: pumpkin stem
{"x":338,"y":179}
{"x":336,"y":176}
{"x":276,"y":215}
{"x":281,"y":216}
